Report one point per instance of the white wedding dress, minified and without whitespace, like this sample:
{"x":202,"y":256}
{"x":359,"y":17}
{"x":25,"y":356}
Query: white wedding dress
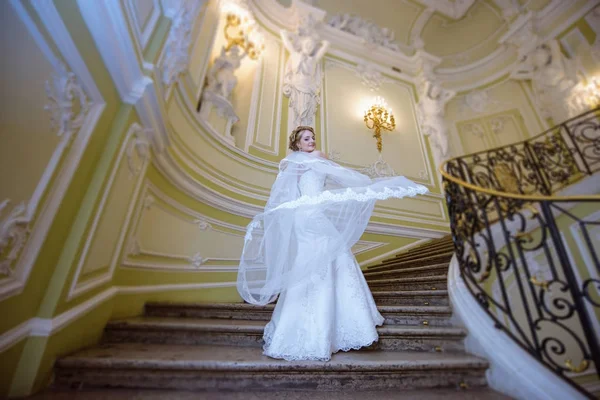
{"x":333,"y":310}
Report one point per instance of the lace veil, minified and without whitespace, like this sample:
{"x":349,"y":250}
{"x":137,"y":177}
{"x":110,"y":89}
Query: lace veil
{"x":334,"y":219}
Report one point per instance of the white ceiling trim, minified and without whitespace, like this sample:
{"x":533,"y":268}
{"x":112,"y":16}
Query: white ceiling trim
{"x":273,"y":15}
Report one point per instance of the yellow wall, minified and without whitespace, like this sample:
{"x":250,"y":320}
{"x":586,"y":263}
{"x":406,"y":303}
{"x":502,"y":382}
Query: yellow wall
{"x":138,"y":225}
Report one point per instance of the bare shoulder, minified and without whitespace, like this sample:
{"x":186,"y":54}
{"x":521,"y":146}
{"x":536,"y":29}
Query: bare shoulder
{"x":320,"y":154}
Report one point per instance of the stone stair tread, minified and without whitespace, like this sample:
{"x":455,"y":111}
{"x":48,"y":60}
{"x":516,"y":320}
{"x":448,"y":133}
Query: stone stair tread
{"x":227,"y":358}
{"x":414,"y":279}
{"x":410,"y":293}
{"x":406,"y":270}
{"x":251,"y":326}
{"x":128,"y":394}
{"x":251,"y":307}
{"x":214,"y":306}
{"x":407,"y":260}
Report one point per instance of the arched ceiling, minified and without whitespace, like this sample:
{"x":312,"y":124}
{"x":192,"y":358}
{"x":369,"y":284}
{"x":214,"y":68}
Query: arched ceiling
{"x":461,"y":33}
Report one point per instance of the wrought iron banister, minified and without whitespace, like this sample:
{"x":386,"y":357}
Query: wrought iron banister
{"x":531,"y":258}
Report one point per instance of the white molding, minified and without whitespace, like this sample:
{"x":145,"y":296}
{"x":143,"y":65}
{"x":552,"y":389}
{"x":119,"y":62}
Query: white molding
{"x":451,"y":9}
{"x":512,"y":370}
{"x":328,"y":61}
{"x":151,"y":109}
{"x":150,"y":190}
{"x":143,"y":33}
{"x":67,"y":155}
{"x":273,"y":16}
{"x":133,"y":137}
{"x":52,"y":21}
{"x":108,"y":26}
{"x":45,"y":327}
{"x":188,"y":108}
{"x":172,"y":287}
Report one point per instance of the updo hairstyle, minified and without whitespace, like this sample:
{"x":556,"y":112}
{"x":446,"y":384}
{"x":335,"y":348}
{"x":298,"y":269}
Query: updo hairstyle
{"x":295,"y":136}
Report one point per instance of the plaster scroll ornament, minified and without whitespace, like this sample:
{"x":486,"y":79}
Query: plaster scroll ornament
{"x":475,"y":129}
{"x":479,"y":101}
{"x":430,"y":112}
{"x":14,"y":230}
{"x":554,"y":79}
{"x":379,"y":169}
{"x":371,"y":34}
{"x":149,"y":201}
{"x":197,"y":260}
{"x":140,"y":146}
{"x":370,"y":77}
{"x":134,"y":248}
{"x":203,"y":224}
{"x":302,"y":79}
{"x":67,"y":103}
{"x":497,"y":124}
{"x":178,"y":43}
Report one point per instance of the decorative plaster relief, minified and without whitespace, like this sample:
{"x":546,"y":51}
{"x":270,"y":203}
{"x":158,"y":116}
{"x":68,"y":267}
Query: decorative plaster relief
{"x":371,"y":34}
{"x":177,"y":47}
{"x":68,"y":104}
{"x":497,"y":123}
{"x":478,"y":101}
{"x":379,"y":169}
{"x":370,"y":76}
{"x":209,"y":241}
{"x":14,"y":230}
{"x":106,"y":235}
{"x":303,"y":78}
{"x":475,"y":129}
{"x":554,"y":79}
{"x":68,"y":107}
{"x":455,"y":9}
{"x":430,"y":113}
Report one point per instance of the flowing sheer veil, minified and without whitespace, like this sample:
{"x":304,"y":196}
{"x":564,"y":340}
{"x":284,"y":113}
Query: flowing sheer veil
{"x":270,"y":262}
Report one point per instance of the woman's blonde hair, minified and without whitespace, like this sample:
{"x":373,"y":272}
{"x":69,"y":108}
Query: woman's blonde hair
{"x":295,"y":136}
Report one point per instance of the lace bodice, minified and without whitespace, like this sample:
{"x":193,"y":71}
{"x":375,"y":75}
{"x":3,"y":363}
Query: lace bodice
{"x":311,"y":183}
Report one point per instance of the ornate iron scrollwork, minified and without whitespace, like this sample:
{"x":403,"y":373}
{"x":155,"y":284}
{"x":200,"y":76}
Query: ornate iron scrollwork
{"x":509,"y":236}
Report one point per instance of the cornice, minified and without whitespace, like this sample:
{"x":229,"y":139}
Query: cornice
{"x":272,"y":15}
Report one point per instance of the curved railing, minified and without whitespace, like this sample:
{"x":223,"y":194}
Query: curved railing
{"x":529,"y":253}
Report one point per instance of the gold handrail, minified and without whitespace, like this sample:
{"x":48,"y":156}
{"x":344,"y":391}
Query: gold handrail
{"x":519,"y":196}
{"x":585,"y":197}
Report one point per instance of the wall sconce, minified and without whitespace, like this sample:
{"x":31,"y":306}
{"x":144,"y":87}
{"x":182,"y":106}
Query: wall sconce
{"x":240,"y":30}
{"x":378,"y":117}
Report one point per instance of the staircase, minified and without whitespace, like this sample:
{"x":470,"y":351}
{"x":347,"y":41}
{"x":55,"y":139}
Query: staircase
{"x":217,"y":347}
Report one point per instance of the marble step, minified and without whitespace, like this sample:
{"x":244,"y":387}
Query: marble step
{"x":223,"y":368}
{"x":430,"y":270}
{"x":394,"y":315}
{"x":428,"y":248}
{"x":435,"y":282}
{"x":412,"y":298}
{"x":192,"y":331}
{"x":411,"y":263}
{"x":444,"y":255}
{"x":479,"y":393}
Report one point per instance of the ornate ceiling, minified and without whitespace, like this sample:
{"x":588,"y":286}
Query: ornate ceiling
{"x":465,"y":38}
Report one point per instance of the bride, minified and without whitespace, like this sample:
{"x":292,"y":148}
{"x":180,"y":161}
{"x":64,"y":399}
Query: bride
{"x":299,"y":249}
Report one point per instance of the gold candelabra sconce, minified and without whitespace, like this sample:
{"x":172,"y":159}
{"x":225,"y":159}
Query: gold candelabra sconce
{"x":241,"y":31}
{"x":378,"y":117}
{"x":592,"y":93}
